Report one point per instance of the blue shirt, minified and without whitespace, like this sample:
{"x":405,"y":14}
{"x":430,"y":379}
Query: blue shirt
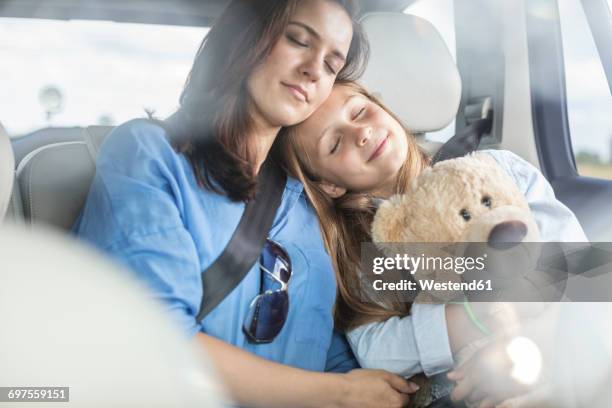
{"x":146,"y":210}
{"x":419,"y":343}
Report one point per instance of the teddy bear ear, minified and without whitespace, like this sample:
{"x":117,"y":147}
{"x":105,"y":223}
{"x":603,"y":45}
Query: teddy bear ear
{"x":390,"y":221}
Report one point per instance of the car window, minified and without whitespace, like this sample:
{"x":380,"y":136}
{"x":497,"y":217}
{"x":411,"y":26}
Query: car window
{"x":589,"y":102}
{"x":440,"y":13}
{"x":79,"y":73}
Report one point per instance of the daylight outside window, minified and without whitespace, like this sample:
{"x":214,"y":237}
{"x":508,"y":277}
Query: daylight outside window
{"x":589,"y":102}
{"x":80,"y":73}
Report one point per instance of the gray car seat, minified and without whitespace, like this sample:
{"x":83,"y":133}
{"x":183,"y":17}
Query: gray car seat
{"x":54,"y":179}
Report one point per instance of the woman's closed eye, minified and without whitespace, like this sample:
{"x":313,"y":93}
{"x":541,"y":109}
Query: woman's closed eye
{"x":296,"y":41}
{"x":330,"y":68}
{"x":303,"y":43}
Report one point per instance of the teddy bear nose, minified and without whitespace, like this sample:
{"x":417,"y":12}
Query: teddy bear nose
{"x":507,"y":234}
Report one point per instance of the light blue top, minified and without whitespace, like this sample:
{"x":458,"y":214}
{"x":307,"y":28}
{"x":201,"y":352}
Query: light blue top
{"x":146,"y":210}
{"x":419,"y":343}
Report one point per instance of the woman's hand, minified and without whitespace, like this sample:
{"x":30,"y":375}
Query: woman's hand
{"x":375,"y":388}
{"x":252,"y":381}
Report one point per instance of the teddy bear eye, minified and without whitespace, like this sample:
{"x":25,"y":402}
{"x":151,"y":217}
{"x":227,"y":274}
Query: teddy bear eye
{"x":486,"y":201}
{"x":465,"y":214}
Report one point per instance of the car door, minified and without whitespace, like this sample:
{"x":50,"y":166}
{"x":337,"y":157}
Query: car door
{"x":571,"y":156}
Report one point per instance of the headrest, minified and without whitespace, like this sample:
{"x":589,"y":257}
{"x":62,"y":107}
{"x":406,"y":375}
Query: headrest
{"x":54,"y":181}
{"x":54,"y":178}
{"x":7,"y":171}
{"x":411,"y":70}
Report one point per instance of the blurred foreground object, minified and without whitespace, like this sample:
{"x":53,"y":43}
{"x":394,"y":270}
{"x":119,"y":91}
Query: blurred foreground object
{"x":562,"y":359}
{"x":71,"y":319}
{"x":582,"y":369}
{"x":526,"y":358}
{"x":7,"y":171}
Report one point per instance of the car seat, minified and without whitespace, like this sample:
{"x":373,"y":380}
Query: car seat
{"x":53,"y":179}
{"x":412,"y":71}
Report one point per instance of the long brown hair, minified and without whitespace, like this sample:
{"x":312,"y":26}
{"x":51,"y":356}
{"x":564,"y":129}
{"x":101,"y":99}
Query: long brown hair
{"x":214,"y":118}
{"x":345,"y":223}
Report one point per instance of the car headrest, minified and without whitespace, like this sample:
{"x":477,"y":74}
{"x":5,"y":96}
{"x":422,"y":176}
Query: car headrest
{"x":7,"y":171}
{"x":54,"y":178}
{"x":411,"y":70}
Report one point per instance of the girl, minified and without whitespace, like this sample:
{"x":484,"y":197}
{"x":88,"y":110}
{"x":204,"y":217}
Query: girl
{"x":353,"y":149}
{"x":167,"y":197}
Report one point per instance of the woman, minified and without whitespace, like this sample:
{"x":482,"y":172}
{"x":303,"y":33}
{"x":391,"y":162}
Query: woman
{"x":167,"y":197}
{"x":353,"y":149}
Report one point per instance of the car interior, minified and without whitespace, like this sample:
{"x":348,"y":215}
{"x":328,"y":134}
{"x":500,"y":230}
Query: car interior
{"x":412,"y":71}
{"x":45,"y":194}
{"x":506,"y":60}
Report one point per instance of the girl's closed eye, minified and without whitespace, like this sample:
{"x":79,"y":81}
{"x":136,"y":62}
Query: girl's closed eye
{"x":359,"y":113}
{"x":336,"y":145}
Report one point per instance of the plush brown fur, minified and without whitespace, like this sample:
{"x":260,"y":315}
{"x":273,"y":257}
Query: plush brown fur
{"x":431,"y":212}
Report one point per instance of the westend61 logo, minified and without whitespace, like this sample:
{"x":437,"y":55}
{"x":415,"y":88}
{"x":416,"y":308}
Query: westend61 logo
{"x":392,"y":273}
{"x":412,"y":264}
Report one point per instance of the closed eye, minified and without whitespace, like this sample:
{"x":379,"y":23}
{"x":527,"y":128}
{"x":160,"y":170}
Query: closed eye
{"x":330,"y":68}
{"x":336,"y":145}
{"x":358,"y":115}
{"x":295,"y":41}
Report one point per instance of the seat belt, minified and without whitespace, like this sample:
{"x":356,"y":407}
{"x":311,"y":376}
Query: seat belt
{"x":247,"y":242}
{"x":466,"y":141}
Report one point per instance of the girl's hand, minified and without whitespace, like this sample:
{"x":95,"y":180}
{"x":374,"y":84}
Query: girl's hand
{"x":375,"y":388}
{"x":485,"y":379}
{"x":498,"y":317}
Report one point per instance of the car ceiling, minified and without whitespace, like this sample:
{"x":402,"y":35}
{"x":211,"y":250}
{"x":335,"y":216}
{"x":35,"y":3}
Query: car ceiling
{"x":172,"y":12}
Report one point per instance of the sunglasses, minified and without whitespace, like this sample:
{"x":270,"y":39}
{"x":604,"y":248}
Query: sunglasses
{"x":268,"y":310}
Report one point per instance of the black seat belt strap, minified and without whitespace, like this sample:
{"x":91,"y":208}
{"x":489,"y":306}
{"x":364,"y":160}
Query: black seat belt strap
{"x":247,"y":242}
{"x":466,"y":141}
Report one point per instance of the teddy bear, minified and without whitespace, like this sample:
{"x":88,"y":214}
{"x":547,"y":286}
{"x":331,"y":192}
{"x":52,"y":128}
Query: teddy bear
{"x":464,"y":200}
